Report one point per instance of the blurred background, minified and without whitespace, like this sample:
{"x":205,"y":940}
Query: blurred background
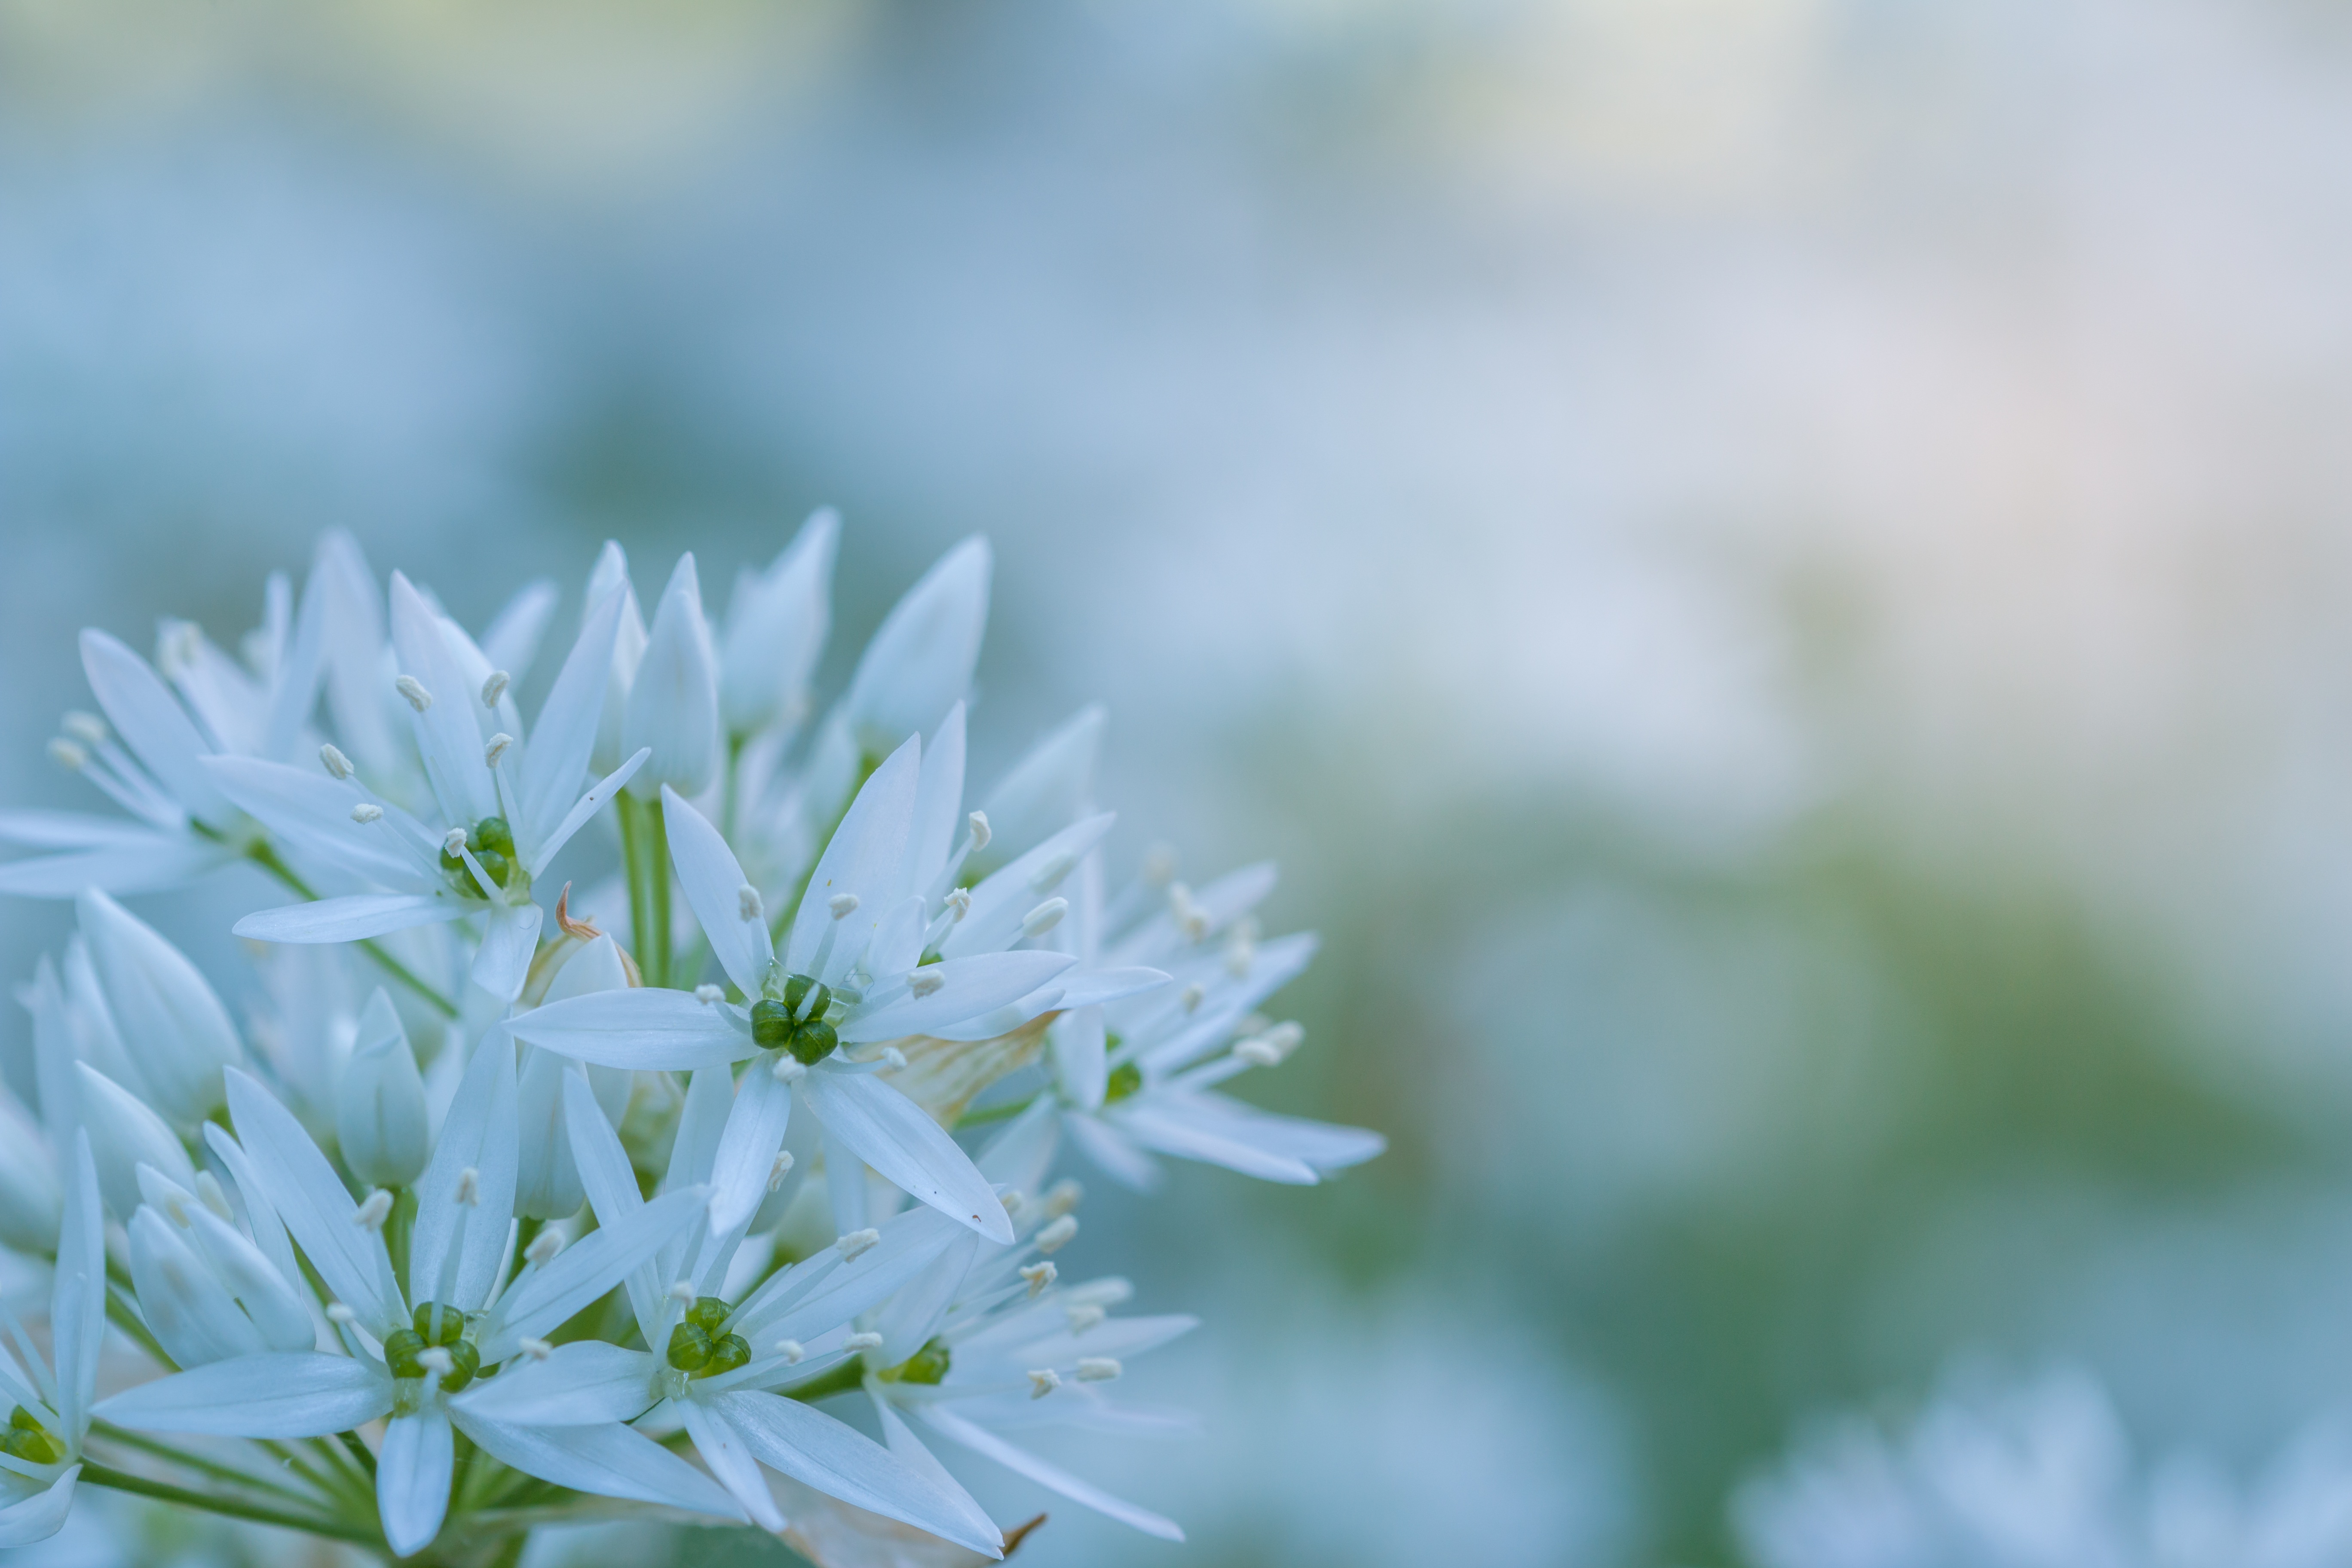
{"x":1774,"y":571}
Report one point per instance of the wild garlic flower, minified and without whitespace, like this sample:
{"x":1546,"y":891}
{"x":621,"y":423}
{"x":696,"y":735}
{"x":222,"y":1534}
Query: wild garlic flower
{"x":479,"y":1220}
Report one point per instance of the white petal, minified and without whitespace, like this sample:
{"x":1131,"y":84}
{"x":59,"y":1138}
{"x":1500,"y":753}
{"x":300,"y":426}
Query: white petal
{"x":988,"y":1445}
{"x":939,"y":806}
{"x":1047,"y":790}
{"x":921,"y":658}
{"x":184,"y":1306}
{"x":1177,"y":1037}
{"x":78,"y":1300}
{"x":503,"y":961}
{"x":31,"y":1202}
{"x":909,"y":1450}
{"x":1172,"y":1125}
{"x":611,"y":1184}
{"x":547,"y":1180}
{"x":713,"y":881}
{"x":823,"y":1293}
{"x":152,"y":724}
{"x":131,"y":869}
{"x":380,"y":1119}
{"x":312,"y":812}
{"x":1326,"y":1145}
{"x":36,"y":829}
{"x":673,"y":708}
{"x":1115,"y":1153}
{"x":580,"y":1382}
{"x":162,"y":1001}
{"x":352,"y":919}
{"x":412,"y":1477}
{"x":913,"y":1315}
{"x":586,"y":1269}
{"x":608,"y":1460}
{"x":1081,"y":1051}
{"x":1116,"y":1337}
{"x":454,"y":1250}
{"x":447,"y":733}
{"x":729,"y":1458}
{"x":968,"y":987}
{"x":1093,"y":987}
{"x":1002,"y":899}
{"x":861,"y":860}
{"x":124,"y":1132}
{"x":595,"y":967}
{"x":653,"y":1029}
{"x":555,"y":763}
{"x":511,"y":642}
{"x":254,"y":1281}
{"x":747,"y":1149}
{"x":283,"y":1395}
{"x":309,"y":1198}
{"x":899,"y":1140}
{"x":1022,"y":1151}
{"x":776,"y":626}
{"x":269,"y":1230}
{"x":839,"y":1461}
{"x":41,"y":1516}
{"x":586,"y":806}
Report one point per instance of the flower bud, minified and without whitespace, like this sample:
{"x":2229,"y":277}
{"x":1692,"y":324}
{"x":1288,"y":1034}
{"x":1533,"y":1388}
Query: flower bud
{"x":170,"y":1022}
{"x":30,"y":1201}
{"x":921,"y":660}
{"x":674,"y":700}
{"x":776,"y":626}
{"x":379,"y":1116}
{"x":124,"y":1134}
{"x":612,"y":576}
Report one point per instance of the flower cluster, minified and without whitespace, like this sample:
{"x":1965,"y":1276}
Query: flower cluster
{"x":725,"y":1190}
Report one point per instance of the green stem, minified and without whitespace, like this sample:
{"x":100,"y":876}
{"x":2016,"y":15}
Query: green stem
{"x":657,"y":853}
{"x":124,"y":1481}
{"x":197,"y":1462}
{"x":625,"y":811}
{"x":264,"y":856}
{"x":360,"y":1456}
{"x":727,"y":786}
{"x":331,"y":1482}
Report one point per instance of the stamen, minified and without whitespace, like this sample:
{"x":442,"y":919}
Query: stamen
{"x":779,"y":1170}
{"x":1258,"y":1053}
{"x":958,"y":903}
{"x":747,"y":902}
{"x":1098,"y":1368}
{"x":1043,"y":1382}
{"x":453,"y":841}
{"x":1014,"y":1200}
{"x":68,"y":753}
{"x":177,"y":648}
{"x":1056,"y":1235}
{"x":1190,"y":918}
{"x":495,"y":687}
{"x":1051,"y":872}
{"x":1039,"y":1276}
{"x":371,"y":1215}
{"x":707,"y":995}
{"x":924,"y":981}
{"x":470,"y":1186}
{"x":978,"y":822}
{"x":1084,"y":1317}
{"x":497,"y":748}
{"x":340,"y":1315}
{"x":843,"y":905}
{"x":332,"y":759}
{"x":792,"y":1351}
{"x":538,"y":1349}
{"x":1044,"y":917}
{"x":892,"y":1058}
{"x":1241,"y":949}
{"x":408,"y":686}
{"x":786,"y":1069}
{"x":87,"y":728}
{"x":544,"y":1247}
{"x":1191,"y":996}
{"x":367,"y":810}
{"x":855,"y":1244}
{"x":436,"y":1359}
{"x":1159,"y":864}
{"x":855,"y":1343}
{"x":683,"y":1290}
{"x":1063,"y":1195}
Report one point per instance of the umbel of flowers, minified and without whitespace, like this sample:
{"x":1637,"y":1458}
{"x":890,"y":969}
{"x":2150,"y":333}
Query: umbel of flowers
{"x":724,"y":1190}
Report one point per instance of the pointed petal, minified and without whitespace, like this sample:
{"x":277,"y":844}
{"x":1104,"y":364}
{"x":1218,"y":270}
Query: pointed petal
{"x":309,"y":1198}
{"x":839,"y":1461}
{"x":730,"y":1458}
{"x":922,"y":657}
{"x":1118,"y":1157}
{"x":1166,"y":1123}
{"x":77,"y":1305}
{"x":1093,"y":987}
{"x":1117,"y":1337}
{"x":894,"y":1135}
{"x":586,"y":1270}
{"x":714,"y":883}
{"x":353,"y":919}
{"x":412,"y":1478}
{"x":938,"y":806}
{"x":861,"y":859}
{"x":586,"y":806}
{"x":673,"y":708}
{"x":513,"y":641}
{"x":988,"y":1445}
{"x":1048,"y":789}
{"x":454,"y":1250}
{"x":654,"y":1030}
{"x":911,"y":1317}
{"x":607,"y":1459}
{"x":41,"y":1516}
{"x":556,"y":760}
{"x":824,"y":1292}
{"x":152,"y":723}
{"x":131,"y":868}
{"x":611,"y":1183}
{"x":968,"y":987}
{"x":503,"y":961}
{"x":312,"y":813}
{"x":75,"y":830}
{"x":1004,"y":898}
{"x":584,"y":1382}
{"x":297,"y":1394}
{"x":909,"y":1450}
{"x":447,"y":733}
{"x":747,"y":1149}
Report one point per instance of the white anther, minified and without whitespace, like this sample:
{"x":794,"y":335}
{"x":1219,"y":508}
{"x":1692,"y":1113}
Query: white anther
{"x":1284,"y":1039}
{"x":857,"y":1242}
{"x":682,"y":1290}
{"x":707,"y":995}
{"x":1098,"y":1368}
{"x":1014,"y":1200}
{"x":68,"y":753}
{"x":370,"y":1216}
{"x":331,"y":757}
{"x":496,"y":748}
{"x":1084,"y":1316}
{"x":858,"y":1343}
{"x":367,"y":810}
{"x":843,"y":905}
{"x":436,"y":1358}
{"x":924,"y":981}
{"x":958,"y":903}
{"x":1241,"y":949}
{"x":1039,"y":1276}
{"x":469,"y":1187}
{"x":1258,"y":1053}
{"x":495,"y":687}
{"x":338,"y":1314}
{"x":1043,"y":1382}
{"x":779,"y":1170}
{"x":1063,"y":1195}
{"x":1051,"y":872}
{"x":892,"y":1058}
{"x":544,"y":1247}
{"x":792,"y":1351}
{"x":787,"y":1069}
{"x":453,"y":841}
{"x":177,"y":648}
{"x":1189,"y":997}
{"x":209,"y":1193}
{"x":1056,"y":1235}
{"x":1044,"y":917}
{"x":747,"y":902}
{"x":978,"y":823}
{"x":1159,"y":864}
{"x":87,"y":728}
{"x":538,"y":1349}
{"x":1190,"y":918}
{"x":413,"y":690}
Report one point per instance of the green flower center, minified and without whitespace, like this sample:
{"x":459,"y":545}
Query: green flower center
{"x":28,"y":1440}
{"x":696,"y":1347}
{"x":492,"y":842}
{"x":796,"y":1021}
{"x":928,"y":1364}
{"x":1125,"y":1079}
{"x":436,"y":1327}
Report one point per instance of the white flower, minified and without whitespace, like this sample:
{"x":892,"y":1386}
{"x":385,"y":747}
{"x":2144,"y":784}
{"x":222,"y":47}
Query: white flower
{"x":1047,"y":790}
{"x":673,"y":708}
{"x":609,"y":582}
{"x":171,"y":1022}
{"x":30,"y":1203}
{"x":776,"y":626}
{"x":205,"y":1289}
{"x":380,"y":1117}
{"x":49,"y":1414}
{"x":498,"y":823}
